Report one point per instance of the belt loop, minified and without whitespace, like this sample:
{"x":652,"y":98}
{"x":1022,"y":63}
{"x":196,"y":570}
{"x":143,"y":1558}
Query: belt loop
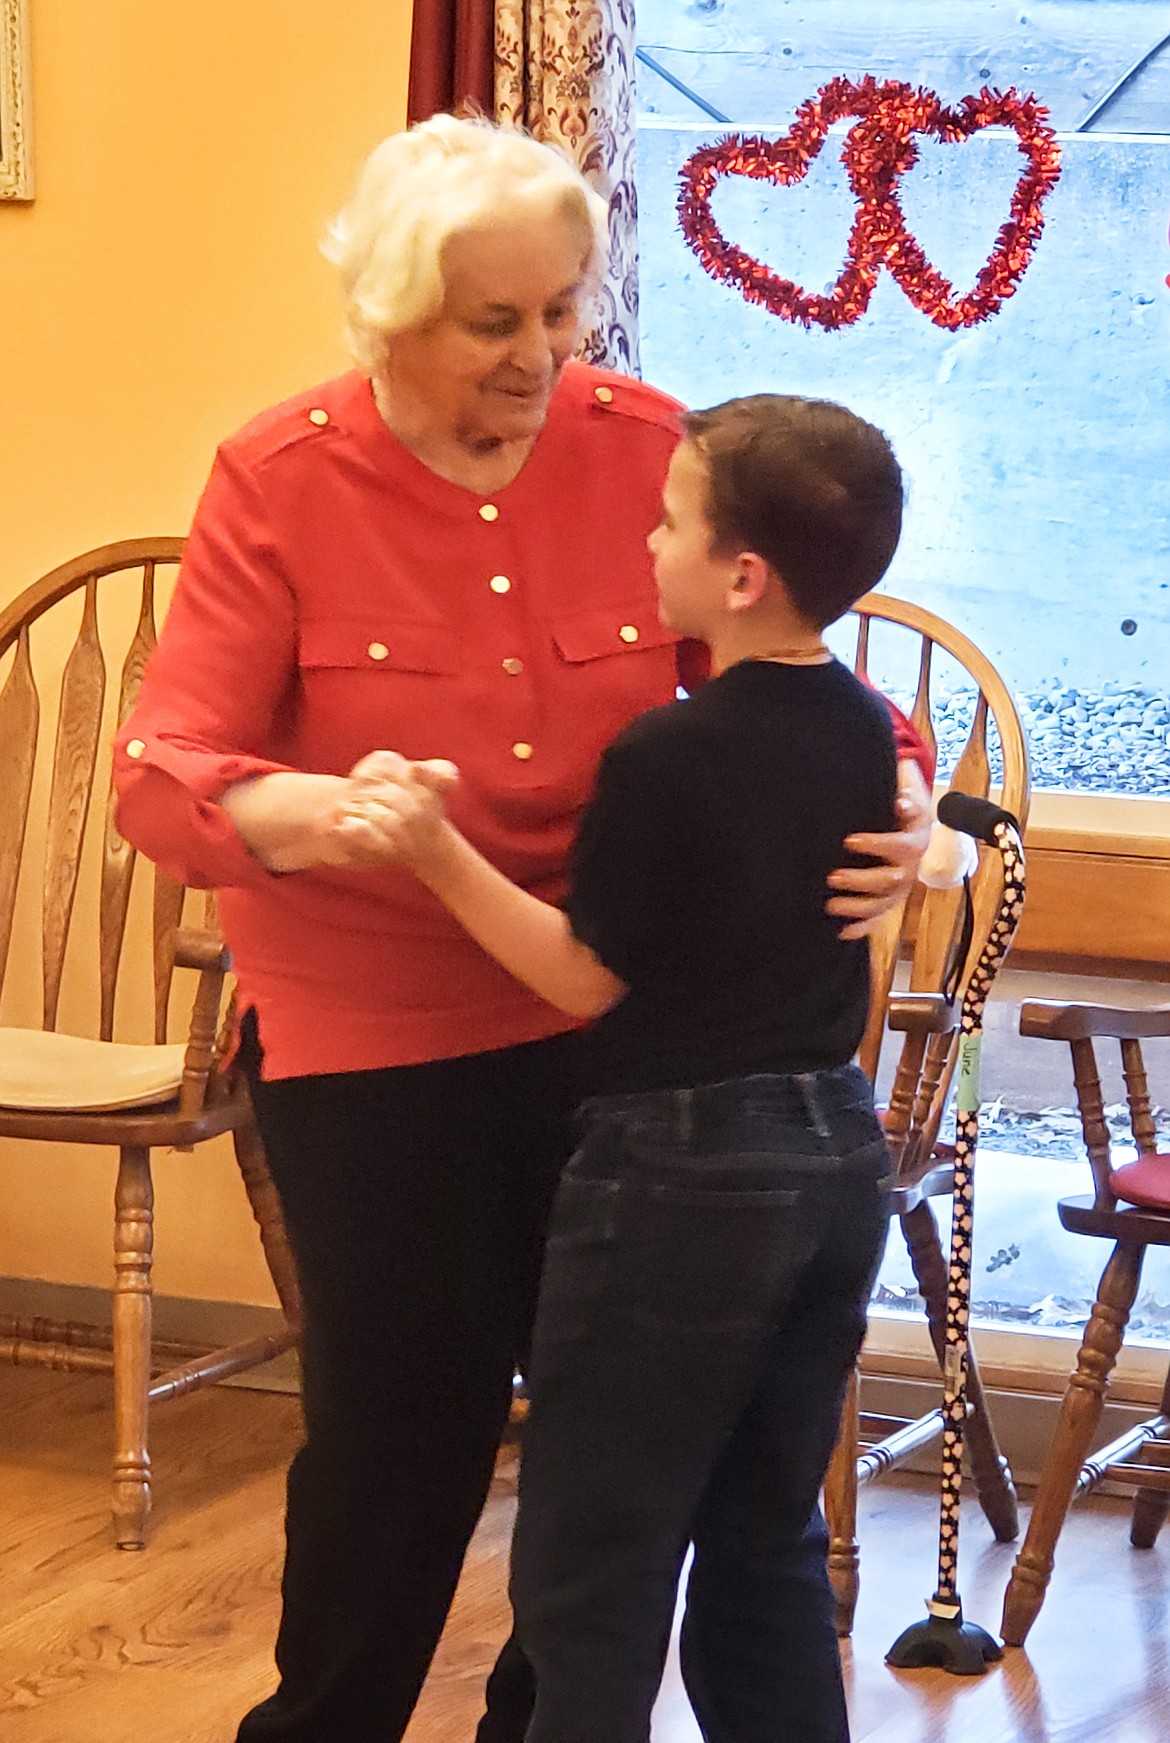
{"x":810,"y":1090}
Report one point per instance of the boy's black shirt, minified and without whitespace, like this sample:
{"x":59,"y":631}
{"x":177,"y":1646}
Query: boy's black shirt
{"x":699,"y":877}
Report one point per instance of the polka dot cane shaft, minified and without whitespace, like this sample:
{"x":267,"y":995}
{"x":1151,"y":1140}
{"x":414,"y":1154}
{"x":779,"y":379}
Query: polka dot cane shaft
{"x":1007,"y":842}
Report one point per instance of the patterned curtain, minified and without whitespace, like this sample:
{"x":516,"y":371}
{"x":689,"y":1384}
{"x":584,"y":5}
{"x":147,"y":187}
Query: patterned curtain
{"x":565,"y":71}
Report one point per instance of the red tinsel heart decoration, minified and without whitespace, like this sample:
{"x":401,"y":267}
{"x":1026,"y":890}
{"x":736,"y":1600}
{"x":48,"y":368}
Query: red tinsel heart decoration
{"x":877,"y":152}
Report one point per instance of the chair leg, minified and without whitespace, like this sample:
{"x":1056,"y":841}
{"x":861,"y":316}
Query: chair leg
{"x":1150,"y":1506}
{"x":133,"y":1253}
{"x":841,"y":1510}
{"x":1079,"y":1415}
{"x":265,"y":1202}
{"x":990,"y":1471}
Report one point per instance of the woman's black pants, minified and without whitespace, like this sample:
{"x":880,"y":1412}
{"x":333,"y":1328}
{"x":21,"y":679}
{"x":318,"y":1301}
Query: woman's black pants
{"x":416,"y":1201}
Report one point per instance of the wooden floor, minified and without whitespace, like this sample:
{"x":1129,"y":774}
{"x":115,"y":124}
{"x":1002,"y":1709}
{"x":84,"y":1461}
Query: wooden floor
{"x":171,"y":1645}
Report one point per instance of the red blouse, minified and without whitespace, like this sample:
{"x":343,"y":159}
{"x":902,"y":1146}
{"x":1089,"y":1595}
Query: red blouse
{"x":337,"y":597}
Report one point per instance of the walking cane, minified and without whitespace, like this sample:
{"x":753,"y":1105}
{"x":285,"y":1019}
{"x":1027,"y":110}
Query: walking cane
{"x":944,"y":1640}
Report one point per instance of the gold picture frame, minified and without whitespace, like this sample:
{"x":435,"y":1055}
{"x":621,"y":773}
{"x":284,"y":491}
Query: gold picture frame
{"x":16,"y":177}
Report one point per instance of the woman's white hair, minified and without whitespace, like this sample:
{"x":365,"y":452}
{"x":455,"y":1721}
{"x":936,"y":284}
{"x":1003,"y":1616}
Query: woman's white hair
{"x":423,"y":186}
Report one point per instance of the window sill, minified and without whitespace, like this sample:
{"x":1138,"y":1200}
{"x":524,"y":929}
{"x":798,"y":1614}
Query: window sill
{"x":1098,"y":884}
{"x":1100,"y":823}
{"x":1016,"y":1360}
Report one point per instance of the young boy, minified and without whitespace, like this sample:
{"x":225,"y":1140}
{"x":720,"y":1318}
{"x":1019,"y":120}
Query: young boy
{"x":716,"y":1234}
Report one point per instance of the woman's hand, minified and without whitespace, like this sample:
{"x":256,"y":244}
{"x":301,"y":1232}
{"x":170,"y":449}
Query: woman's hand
{"x":386,"y":811}
{"x":392,"y":812}
{"x":866,"y":893}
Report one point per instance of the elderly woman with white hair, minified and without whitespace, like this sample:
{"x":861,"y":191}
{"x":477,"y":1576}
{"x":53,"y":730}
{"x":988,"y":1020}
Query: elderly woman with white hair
{"x":443,"y":553}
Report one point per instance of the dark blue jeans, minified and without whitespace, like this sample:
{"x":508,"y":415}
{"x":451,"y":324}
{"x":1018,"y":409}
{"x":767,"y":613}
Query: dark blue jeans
{"x":708,"y":1265}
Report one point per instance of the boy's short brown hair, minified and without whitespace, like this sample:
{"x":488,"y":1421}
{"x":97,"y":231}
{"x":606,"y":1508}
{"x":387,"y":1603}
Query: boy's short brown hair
{"x":808,"y":486}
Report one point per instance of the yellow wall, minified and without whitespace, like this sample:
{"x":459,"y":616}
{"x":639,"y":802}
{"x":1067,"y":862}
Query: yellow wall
{"x":163,"y":286}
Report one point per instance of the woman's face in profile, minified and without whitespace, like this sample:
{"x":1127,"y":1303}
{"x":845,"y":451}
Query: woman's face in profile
{"x":483,"y":371}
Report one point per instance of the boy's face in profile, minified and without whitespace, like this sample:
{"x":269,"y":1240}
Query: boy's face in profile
{"x":692,"y":582}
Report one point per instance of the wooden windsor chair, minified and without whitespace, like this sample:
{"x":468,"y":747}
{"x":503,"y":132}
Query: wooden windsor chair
{"x":74,"y":1088}
{"x":1130,"y":1206}
{"x":942,"y":953}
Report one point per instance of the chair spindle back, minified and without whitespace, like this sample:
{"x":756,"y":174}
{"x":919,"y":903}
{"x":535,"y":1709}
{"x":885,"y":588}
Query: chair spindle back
{"x":82,"y":737}
{"x":930,"y":927}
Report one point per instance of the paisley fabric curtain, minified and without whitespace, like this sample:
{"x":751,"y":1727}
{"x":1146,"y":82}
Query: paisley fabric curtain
{"x":563,"y":69}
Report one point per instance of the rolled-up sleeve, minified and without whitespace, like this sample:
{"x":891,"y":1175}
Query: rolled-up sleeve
{"x":209,"y":709}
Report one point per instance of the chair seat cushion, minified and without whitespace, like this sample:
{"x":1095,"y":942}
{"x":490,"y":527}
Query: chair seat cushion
{"x":1145,"y":1182}
{"x":45,"y":1072}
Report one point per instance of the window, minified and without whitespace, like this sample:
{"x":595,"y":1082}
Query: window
{"x":1027,"y":1273}
{"x":1036,"y":445}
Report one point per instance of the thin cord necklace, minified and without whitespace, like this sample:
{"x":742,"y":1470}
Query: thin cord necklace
{"x":790,"y":654}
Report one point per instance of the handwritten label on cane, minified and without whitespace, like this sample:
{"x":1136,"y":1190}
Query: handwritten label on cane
{"x":967,"y":1095}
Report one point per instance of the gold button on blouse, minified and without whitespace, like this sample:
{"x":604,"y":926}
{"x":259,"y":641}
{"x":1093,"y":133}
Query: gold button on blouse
{"x":512,"y":666}
{"x":628,"y":633}
{"x":604,"y":394}
{"x":135,"y":748}
{"x":318,"y":417}
{"x":489,"y":511}
{"x":522,"y":751}
{"x":500,"y":584}
{"x":378,"y":651}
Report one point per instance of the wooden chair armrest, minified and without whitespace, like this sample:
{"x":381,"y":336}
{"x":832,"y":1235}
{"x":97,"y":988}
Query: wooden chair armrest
{"x":1049,"y":1021}
{"x":922,"y":1013}
{"x":206,"y":952}
{"x":202,"y":950}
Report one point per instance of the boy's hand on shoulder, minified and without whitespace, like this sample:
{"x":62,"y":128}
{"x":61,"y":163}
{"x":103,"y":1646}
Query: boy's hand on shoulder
{"x":864,"y":894}
{"x":392,"y":812}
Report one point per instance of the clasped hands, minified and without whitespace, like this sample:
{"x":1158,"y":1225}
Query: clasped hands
{"x":391,"y":812}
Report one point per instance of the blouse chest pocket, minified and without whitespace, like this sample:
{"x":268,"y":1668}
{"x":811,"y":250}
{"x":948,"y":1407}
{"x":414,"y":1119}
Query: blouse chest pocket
{"x":374,"y":645}
{"x":610,"y":630}
{"x":369,"y":684}
{"x":614,"y":662}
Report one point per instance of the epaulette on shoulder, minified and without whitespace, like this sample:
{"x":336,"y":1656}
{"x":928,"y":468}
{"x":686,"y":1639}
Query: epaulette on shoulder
{"x":628,"y":397}
{"x":283,"y":426}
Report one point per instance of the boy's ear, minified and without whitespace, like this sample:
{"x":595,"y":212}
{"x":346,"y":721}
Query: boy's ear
{"x":752,"y":576}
